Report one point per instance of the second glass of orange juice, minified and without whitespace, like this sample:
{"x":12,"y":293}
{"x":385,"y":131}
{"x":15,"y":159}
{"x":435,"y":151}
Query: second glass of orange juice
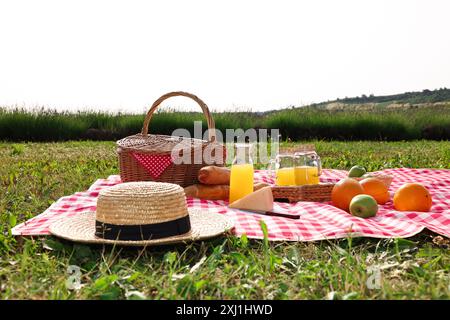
{"x":284,"y":169}
{"x":307,"y":168}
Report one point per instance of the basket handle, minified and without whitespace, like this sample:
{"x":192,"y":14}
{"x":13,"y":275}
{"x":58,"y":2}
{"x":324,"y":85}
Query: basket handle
{"x":209,"y":119}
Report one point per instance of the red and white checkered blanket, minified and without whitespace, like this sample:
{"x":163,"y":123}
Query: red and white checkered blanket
{"x":318,"y":220}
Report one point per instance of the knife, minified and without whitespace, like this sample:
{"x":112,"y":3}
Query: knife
{"x":272,"y":213}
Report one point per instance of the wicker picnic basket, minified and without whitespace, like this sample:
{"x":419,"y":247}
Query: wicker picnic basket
{"x":310,"y":192}
{"x":183,"y":174}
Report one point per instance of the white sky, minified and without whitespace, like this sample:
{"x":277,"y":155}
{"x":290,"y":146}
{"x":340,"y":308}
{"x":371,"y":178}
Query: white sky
{"x":259,"y":55}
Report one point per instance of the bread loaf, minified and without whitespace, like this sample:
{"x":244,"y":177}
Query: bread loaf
{"x":208,"y":192}
{"x":214,"y":175}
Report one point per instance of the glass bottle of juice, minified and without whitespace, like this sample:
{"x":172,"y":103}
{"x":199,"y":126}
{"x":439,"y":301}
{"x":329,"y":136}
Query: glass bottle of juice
{"x":241,"y":179}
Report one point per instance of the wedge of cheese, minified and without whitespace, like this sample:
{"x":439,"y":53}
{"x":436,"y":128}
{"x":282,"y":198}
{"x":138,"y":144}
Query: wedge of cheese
{"x":261,"y":200}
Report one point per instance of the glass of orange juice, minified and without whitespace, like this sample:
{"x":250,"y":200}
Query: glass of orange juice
{"x":284,"y":169}
{"x":308,"y":168}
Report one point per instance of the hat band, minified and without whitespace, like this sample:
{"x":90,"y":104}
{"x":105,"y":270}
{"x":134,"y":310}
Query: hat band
{"x":142,"y":231}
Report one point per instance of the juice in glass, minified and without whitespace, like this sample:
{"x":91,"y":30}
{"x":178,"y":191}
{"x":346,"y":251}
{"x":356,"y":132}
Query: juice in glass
{"x":285,"y":177}
{"x":308,"y":167}
{"x":241,"y":181}
{"x":284,"y":169}
{"x":241,"y":177}
{"x":306,"y":175}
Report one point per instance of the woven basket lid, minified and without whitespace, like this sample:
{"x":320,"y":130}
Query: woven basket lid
{"x":160,"y":144}
{"x":141,"y":203}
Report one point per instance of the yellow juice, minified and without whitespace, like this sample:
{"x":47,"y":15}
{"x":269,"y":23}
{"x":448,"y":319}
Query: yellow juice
{"x":241,"y":181}
{"x":285,"y":177}
{"x":306,"y":175}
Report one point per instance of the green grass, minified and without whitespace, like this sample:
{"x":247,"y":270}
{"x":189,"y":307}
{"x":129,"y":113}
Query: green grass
{"x":33,"y":175}
{"x":296,"y":124}
{"x":377,"y":124}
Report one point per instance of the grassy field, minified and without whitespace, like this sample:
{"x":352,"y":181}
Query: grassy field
{"x":378,"y":123}
{"x":33,"y":175}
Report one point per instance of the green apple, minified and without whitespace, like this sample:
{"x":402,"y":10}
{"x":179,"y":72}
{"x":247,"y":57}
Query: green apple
{"x":356,"y":172}
{"x":363,"y":206}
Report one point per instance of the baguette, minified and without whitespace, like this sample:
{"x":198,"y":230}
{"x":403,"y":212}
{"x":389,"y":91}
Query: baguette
{"x":214,"y":175}
{"x":213,"y":192}
{"x":208,"y":192}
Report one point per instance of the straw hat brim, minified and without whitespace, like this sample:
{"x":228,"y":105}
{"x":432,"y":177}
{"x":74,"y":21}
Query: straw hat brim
{"x":81,"y":228}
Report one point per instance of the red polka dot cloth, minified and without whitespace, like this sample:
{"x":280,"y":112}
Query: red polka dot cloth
{"x":318,"y":221}
{"x":154,"y":164}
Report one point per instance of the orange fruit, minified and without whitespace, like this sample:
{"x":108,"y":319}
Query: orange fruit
{"x":412,"y":197}
{"x":344,"y":191}
{"x":376,"y":188}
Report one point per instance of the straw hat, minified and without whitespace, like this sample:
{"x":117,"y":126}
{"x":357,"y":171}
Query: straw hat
{"x":141,"y":214}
